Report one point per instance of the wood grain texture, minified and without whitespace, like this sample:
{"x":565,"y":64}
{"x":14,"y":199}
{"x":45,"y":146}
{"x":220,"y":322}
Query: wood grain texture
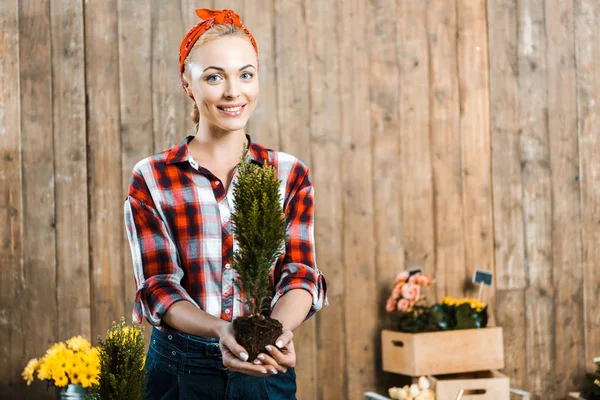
{"x":475,"y":141}
{"x":104,"y":164}
{"x":325,"y":135}
{"x":384,"y":97}
{"x":566,"y":213}
{"x":587,"y":29}
{"x":293,"y":115}
{"x":415,"y":147}
{"x":537,"y":200}
{"x":135,"y":93}
{"x":506,"y":157}
{"x":446,"y":149}
{"x":11,"y":200}
{"x":70,"y":163}
{"x":171,"y":107}
{"x":510,"y":315}
{"x":259,"y":17}
{"x":40,"y":319}
{"x":360,"y":304}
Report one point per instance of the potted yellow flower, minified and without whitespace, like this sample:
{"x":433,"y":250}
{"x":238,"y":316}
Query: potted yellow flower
{"x":72,"y":367}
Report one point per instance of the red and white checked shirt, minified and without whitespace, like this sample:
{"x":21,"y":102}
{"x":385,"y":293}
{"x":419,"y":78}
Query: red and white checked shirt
{"x":177,"y":216}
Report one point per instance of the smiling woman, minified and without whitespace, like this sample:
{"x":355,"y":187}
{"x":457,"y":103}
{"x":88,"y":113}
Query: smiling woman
{"x":178,"y":217}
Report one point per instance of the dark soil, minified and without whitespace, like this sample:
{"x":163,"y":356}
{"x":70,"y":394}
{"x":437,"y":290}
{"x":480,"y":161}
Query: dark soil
{"x":254,"y":332}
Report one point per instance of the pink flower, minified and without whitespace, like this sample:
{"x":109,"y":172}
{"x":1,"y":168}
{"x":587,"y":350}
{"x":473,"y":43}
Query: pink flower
{"x":415,"y":278}
{"x":401,"y":277}
{"x":397,"y":291}
{"x":403,"y":305}
{"x":411,"y":291}
{"x":424,"y":280}
{"x":391,"y":304}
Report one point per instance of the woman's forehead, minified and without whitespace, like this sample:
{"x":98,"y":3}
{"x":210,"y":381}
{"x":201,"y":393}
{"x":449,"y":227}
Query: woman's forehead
{"x":229,"y":53}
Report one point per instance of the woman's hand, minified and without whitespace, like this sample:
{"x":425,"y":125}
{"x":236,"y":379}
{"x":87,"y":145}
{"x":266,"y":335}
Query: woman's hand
{"x":235,"y":357}
{"x":281,"y":356}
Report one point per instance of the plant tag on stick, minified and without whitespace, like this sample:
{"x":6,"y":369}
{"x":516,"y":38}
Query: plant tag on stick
{"x":482,"y":278}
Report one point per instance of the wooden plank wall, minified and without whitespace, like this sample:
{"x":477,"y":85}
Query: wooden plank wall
{"x":447,"y":135}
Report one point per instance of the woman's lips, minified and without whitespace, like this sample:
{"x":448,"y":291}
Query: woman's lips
{"x":233,"y":110}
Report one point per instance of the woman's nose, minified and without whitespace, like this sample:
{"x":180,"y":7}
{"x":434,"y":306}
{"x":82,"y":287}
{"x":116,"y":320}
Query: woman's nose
{"x":232,"y":90}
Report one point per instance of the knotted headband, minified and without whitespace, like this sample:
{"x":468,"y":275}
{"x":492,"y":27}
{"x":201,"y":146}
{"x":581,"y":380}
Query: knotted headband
{"x":210,"y":18}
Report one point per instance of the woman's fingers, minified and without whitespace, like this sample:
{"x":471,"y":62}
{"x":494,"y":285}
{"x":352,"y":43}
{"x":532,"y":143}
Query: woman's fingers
{"x":286,"y":337}
{"x":234,"y":364}
{"x":285,"y":357}
{"x":267,"y":360}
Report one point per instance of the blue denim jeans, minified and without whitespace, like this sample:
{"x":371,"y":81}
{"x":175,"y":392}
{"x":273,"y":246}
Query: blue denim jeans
{"x":187,"y":367}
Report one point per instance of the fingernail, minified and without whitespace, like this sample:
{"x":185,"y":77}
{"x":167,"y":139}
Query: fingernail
{"x":261,"y":357}
{"x":256,"y":362}
{"x":274,"y":372}
{"x":268,"y":348}
{"x":244,"y":356}
{"x":265,"y":372}
{"x":279,"y":344}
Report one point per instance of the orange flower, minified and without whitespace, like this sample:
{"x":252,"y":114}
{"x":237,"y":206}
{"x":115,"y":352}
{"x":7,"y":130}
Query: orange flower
{"x":391,"y":305}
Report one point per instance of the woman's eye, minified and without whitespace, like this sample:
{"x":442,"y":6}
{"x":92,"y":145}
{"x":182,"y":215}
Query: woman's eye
{"x":213,"y":78}
{"x":247,"y":75}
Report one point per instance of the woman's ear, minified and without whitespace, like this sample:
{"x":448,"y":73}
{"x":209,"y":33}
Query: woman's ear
{"x":187,"y":88}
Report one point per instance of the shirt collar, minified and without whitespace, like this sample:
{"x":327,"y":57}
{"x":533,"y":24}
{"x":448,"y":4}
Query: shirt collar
{"x":180,"y":152}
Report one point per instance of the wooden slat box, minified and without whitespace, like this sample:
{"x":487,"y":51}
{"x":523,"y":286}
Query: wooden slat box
{"x":482,"y":385}
{"x":446,"y":352}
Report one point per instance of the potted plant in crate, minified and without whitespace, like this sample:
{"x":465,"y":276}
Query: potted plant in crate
{"x":443,"y":338}
{"x":259,"y":226}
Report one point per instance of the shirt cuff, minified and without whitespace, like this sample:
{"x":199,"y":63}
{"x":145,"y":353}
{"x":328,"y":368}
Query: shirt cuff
{"x":154,"y":297}
{"x":301,"y":276}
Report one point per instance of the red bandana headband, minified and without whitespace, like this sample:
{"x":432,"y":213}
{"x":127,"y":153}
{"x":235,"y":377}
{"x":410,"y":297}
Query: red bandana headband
{"x":210,"y":18}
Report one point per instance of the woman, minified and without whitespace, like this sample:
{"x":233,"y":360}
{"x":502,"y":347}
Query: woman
{"x":177,"y":218}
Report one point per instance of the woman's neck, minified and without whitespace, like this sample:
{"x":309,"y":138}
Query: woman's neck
{"x":218,"y":146}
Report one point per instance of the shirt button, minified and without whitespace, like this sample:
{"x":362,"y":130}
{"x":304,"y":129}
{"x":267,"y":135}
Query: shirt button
{"x":217,"y":183}
{"x":227,"y":311}
{"x":225,"y":220}
{"x":227,"y":266}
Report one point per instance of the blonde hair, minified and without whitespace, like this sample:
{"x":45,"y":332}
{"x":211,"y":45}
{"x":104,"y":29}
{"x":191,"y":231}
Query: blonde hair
{"x":213,"y":33}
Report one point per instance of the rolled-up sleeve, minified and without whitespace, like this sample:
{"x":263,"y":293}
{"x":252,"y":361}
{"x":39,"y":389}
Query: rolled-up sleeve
{"x":156,"y":266}
{"x":298,"y":269}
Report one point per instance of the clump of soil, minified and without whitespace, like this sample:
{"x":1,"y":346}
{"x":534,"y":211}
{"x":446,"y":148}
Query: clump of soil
{"x":254,"y":332}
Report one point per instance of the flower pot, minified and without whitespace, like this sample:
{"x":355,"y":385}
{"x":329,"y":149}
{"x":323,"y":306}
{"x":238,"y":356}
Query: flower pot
{"x":71,"y":392}
{"x":445,"y":352}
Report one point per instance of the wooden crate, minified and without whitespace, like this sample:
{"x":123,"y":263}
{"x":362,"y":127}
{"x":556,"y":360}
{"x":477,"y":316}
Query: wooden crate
{"x":438,"y":353}
{"x":481,"y":385}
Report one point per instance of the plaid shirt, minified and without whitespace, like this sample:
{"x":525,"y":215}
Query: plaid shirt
{"x":177,"y":216}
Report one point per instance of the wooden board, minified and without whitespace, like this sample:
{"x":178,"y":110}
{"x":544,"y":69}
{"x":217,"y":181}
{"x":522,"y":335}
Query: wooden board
{"x":506,"y":155}
{"x":70,"y":163}
{"x":587,"y":29}
{"x":258,"y":16}
{"x":446,"y":150}
{"x":568,"y":270}
{"x":105,"y":169}
{"x":40,"y":319}
{"x":537,"y":201}
{"x":293,"y":115}
{"x":11,"y":199}
{"x":360,"y":305}
{"x":416,"y":176}
{"x":325,"y":136}
{"x":171,"y":107}
{"x":135,"y":92}
{"x":475,"y":142}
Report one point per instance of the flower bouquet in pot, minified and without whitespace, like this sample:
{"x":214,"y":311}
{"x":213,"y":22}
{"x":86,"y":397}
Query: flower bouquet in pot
{"x":591,"y":383}
{"x":259,"y":226}
{"x":72,"y":366}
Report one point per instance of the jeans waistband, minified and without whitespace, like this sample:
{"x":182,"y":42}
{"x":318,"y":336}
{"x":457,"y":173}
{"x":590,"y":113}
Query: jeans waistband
{"x":187,"y":343}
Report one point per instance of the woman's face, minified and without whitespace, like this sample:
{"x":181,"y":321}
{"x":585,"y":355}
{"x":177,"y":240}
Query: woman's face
{"x":223,"y":78}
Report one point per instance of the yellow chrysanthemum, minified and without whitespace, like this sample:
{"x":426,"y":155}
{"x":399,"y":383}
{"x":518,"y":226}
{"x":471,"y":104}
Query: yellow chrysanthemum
{"x":29,"y":370}
{"x":78,"y":343}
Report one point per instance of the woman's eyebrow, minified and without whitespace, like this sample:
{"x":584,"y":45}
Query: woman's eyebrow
{"x":221,"y":69}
